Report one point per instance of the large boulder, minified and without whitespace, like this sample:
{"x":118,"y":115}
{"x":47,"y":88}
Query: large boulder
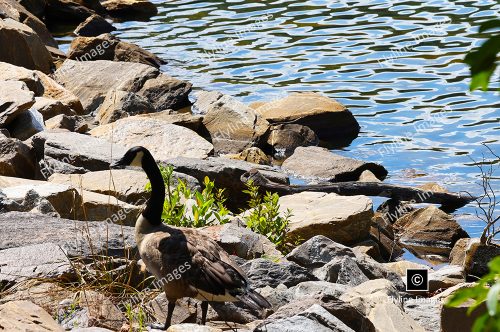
{"x":18,"y":316}
{"x":76,"y":238}
{"x":9,"y":72}
{"x":94,"y":26}
{"x":119,"y":104}
{"x":319,"y":164}
{"x":21,"y":46}
{"x":326,"y":117}
{"x":111,"y":48}
{"x":67,"y":11}
{"x":16,"y":159}
{"x":343,"y":219}
{"x":429,"y":231}
{"x":90,"y":81}
{"x":15,"y":98}
{"x":166,"y":92}
{"x":130,"y":8}
{"x":232,"y":125}
{"x":283,"y":139}
{"x":67,"y":152}
{"x":162,"y":139}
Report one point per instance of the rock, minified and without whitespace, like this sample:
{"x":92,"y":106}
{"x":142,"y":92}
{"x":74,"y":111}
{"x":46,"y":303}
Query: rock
{"x":187,"y":309}
{"x":226,"y":173}
{"x":283,"y":139}
{"x":90,"y":81}
{"x":473,"y":256}
{"x":50,"y":108}
{"x":108,"y":47}
{"x":188,"y":120}
{"x":326,"y":117}
{"x":433,"y":186}
{"x":119,"y":104}
{"x":53,"y":90}
{"x":23,"y":47}
{"x":130,"y":8}
{"x":400,"y":267}
{"x":429,"y":231}
{"x":163,"y":140}
{"x":341,"y":270}
{"x":100,"y":207}
{"x":67,"y":11}
{"x":374,"y":270}
{"x":446,"y":277}
{"x":26,"y":316}
{"x":425,"y":313}
{"x":317,"y":251}
{"x":309,"y":289}
{"x":236,"y":312}
{"x":252,"y":155}
{"x":72,"y":123}
{"x":379,"y":300}
{"x":232,"y":125}
{"x":36,"y":7}
{"x":278,"y":296}
{"x":191,"y":327}
{"x":262,"y":272}
{"x":242,"y":242}
{"x":21,"y":12}
{"x":166,"y":92}
{"x":368,"y":176}
{"x":26,"y":124}
{"x":94,"y":25}
{"x":315,"y":318}
{"x":67,"y":152}
{"x":15,"y":98}
{"x":16,"y":159}
{"x":75,"y":237}
{"x":343,"y":219}
{"x":382,"y":232}
{"x":319,"y":164}
{"x":457,"y":319}
{"x":95,"y":5}
{"x":44,"y":260}
{"x":370,"y":248}
{"x":10,"y":72}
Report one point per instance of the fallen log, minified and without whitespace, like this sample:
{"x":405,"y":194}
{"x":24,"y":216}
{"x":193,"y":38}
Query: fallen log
{"x":450,"y":201}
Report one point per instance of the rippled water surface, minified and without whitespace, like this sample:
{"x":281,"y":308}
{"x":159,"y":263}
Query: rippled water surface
{"x":395,"y":64}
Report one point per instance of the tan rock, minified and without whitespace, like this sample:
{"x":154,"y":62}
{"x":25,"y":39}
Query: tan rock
{"x":387,"y":317}
{"x":163,"y":140}
{"x":166,"y":92}
{"x":473,"y":256}
{"x":15,"y":98}
{"x":400,"y":267}
{"x":343,"y":219}
{"x":368,"y":176}
{"x":26,"y":316}
{"x":188,"y":120}
{"x":432,"y":186}
{"x":53,"y":90}
{"x":99,"y":207}
{"x":130,"y":7}
{"x":9,"y":72}
{"x":120,"y":104}
{"x":252,"y":155}
{"x":101,"y":310}
{"x":16,"y":159}
{"x":49,"y":107}
{"x":285,"y":138}
{"x":72,"y":123}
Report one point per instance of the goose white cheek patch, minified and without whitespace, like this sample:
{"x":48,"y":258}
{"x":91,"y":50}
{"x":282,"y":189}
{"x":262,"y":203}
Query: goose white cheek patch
{"x":137,"y":160}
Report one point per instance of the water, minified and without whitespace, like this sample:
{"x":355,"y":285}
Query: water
{"x":395,"y":64}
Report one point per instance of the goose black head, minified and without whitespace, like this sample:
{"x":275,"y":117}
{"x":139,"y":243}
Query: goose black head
{"x":133,"y":157}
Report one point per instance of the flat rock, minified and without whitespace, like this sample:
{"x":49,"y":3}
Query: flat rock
{"x":93,"y":26}
{"x":17,"y":159}
{"x":233,"y":126}
{"x":19,"y":316}
{"x":110,"y":48}
{"x":44,"y":260}
{"x":15,"y":98}
{"x":67,"y":152}
{"x":343,"y":219}
{"x":429,"y":231}
{"x":262,"y":272}
{"x":130,"y":8}
{"x":325,"y":116}
{"x":165,"y":92}
{"x":23,"y":47}
{"x":9,"y":72}
{"x":120,"y":104}
{"x":90,"y":81}
{"x":319,"y":164}
{"x":72,"y":236}
{"x":162,"y":139}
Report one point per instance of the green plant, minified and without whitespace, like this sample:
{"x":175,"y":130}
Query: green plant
{"x":487,"y":289}
{"x":186,"y":208}
{"x":137,"y":316}
{"x":482,"y":61}
{"x":265,"y":218}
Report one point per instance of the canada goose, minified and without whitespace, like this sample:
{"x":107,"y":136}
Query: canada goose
{"x":188,"y":263}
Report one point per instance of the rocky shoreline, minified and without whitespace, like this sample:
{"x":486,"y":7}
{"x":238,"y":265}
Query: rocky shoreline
{"x":67,"y":245}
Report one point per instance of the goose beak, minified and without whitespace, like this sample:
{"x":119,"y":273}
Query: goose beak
{"x":117,"y":165}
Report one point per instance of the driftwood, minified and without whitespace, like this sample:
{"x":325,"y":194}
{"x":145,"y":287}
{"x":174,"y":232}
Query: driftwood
{"x":401,"y":193}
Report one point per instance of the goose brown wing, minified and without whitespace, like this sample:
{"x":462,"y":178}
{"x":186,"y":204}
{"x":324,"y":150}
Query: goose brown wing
{"x":207,"y":271}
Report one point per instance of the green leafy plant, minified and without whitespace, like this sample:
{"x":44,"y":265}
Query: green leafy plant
{"x":138,"y":316}
{"x":265,"y":218}
{"x":186,"y":208}
{"x":482,"y":61}
{"x":487,"y":289}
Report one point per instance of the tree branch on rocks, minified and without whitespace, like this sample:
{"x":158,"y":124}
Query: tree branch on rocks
{"x":401,"y":193}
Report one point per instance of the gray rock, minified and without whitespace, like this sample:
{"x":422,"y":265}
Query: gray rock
{"x":283,"y":139}
{"x":76,"y":238}
{"x":425,"y":313}
{"x":119,"y":104}
{"x":68,"y":152}
{"x":91,"y":80}
{"x":26,"y":124}
{"x":45,"y":260}
{"x":374,"y":270}
{"x":262,"y":272}
{"x":17,"y":159}
{"x":309,"y":289}
{"x":233,"y":126}
{"x":93,"y":26}
{"x":319,"y":164}
{"x":341,"y":270}
{"x":15,"y":98}
{"x":317,"y":251}
{"x":165,"y":92}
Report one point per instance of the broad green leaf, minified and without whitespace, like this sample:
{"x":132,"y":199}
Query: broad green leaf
{"x":480,"y":323}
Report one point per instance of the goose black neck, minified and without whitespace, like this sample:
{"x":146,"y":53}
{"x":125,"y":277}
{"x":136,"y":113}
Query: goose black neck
{"x":154,"y":206}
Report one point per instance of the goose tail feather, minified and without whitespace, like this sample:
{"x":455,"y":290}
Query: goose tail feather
{"x":254,"y":300}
